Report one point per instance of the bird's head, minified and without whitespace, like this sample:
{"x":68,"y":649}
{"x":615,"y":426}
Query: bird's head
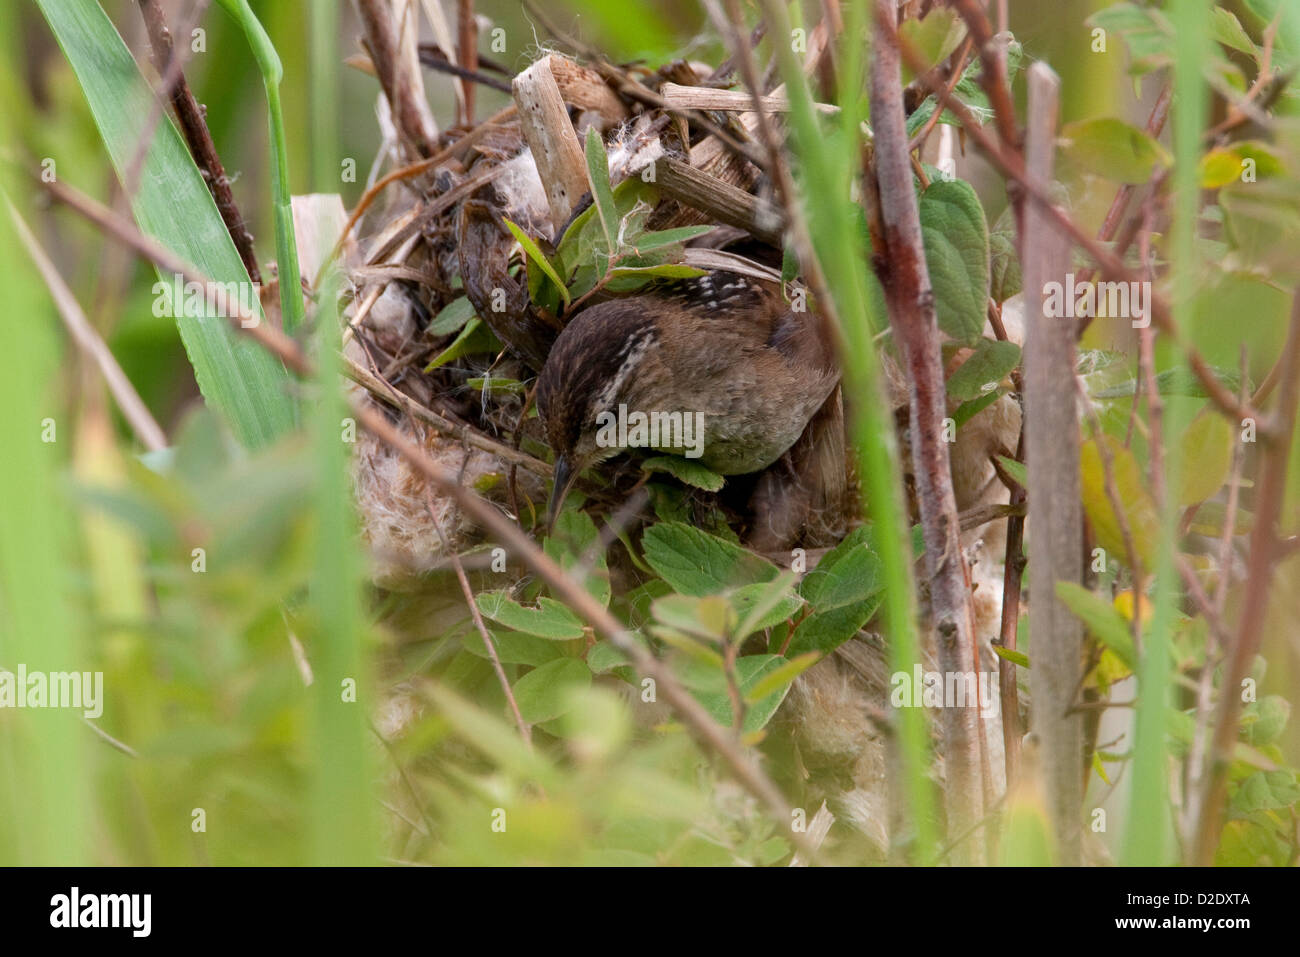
{"x":598,"y":362}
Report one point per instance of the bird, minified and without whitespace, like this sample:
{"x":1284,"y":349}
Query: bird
{"x":729,"y":369}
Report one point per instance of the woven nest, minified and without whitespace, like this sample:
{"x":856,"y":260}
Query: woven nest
{"x":438,"y":237}
{"x":436,"y":249}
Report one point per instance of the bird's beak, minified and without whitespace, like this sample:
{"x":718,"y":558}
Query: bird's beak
{"x":565,"y":476}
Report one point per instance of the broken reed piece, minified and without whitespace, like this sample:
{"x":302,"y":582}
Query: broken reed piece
{"x":587,"y":90}
{"x":719,"y":201}
{"x":1054,"y":493}
{"x":678,"y":97}
{"x":544,"y":119}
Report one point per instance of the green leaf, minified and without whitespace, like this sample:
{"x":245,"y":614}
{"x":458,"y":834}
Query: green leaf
{"x":957,"y":255}
{"x":475,"y":337}
{"x":513,"y":648}
{"x":577,"y":247}
{"x":1004,"y":264}
{"x":1179,"y":380}
{"x":1266,"y":791}
{"x":1228,"y":164}
{"x":172,"y":204}
{"x":549,"y":620}
{"x":847,"y":575}
{"x":535,"y":255}
{"x":292,"y":308}
{"x":548,"y":692}
{"x":452,"y":317}
{"x":1016,"y":470}
{"x":602,"y":195}
{"x":1114,"y":150}
{"x":764,"y":604}
{"x":984,"y":370}
{"x":844,"y":591}
{"x":1206,"y":446}
{"x":697,"y":563}
{"x":1101,"y":618}
{"x":497,"y":386}
{"x":603,"y":657}
{"x":750,"y":671}
{"x":665,"y":238}
{"x":710,"y":617}
{"x":1264,"y":722}
{"x":1227,"y":29}
{"x":685,"y":470}
{"x":782,"y":677}
{"x":935,"y":36}
{"x":573,"y":543}
{"x":1146,"y":30}
{"x":630,"y":278}
{"x":1131,"y":489}
{"x":968,"y":410}
{"x":1011,"y":655}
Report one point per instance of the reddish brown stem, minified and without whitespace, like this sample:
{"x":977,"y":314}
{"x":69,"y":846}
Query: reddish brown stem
{"x":910,"y":302}
{"x":197,"y":136}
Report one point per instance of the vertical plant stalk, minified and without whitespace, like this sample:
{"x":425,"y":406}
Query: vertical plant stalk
{"x":404,"y":91}
{"x":910,"y":301}
{"x":197,"y":136}
{"x":1054,"y":494}
{"x":1264,"y":551}
{"x":1150,"y":818}
{"x":286,"y":248}
{"x":324,"y":27}
{"x":467,"y":55}
{"x":841,"y":254}
{"x":1013,"y":572}
{"x":342,"y":832}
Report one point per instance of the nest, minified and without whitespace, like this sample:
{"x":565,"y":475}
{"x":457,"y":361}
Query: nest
{"x":438,"y":248}
{"x":443,"y":332}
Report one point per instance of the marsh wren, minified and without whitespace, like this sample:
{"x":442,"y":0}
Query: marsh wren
{"x":718,"y":368}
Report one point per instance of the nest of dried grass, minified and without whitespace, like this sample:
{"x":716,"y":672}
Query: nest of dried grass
{"x":442,"y":330}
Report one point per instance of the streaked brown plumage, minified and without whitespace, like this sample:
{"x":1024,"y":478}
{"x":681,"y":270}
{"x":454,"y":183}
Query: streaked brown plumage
{"x":724,"y":345}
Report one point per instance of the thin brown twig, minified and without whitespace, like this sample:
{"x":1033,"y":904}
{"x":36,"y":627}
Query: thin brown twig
{"x":910,"y":302}
{"x":412,"y":170}
{"x":1155,"y":125}
{"x":1011,"y":164}
{"x":194,"y":127}
{"x":392,"y":396}
{"x":1013,"y":570}
{"x":1259,"y":579}
{"x":525,"y":730}
{"x":134,"y":410}
{"x":467,"y":54}
{"x":959,"y":61}
{"x":403,"y":90}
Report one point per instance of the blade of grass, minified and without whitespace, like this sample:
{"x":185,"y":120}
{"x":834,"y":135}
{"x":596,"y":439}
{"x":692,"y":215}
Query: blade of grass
{"x":248,"y":387}
{"x":1149,"y":825}
{"x":286,"y":250}
{"x":46,"y":780}
{"x":341,"y":802}
{"x":827,"y":176}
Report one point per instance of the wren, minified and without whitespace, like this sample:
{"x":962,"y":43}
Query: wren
{"x":721,"y":350}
